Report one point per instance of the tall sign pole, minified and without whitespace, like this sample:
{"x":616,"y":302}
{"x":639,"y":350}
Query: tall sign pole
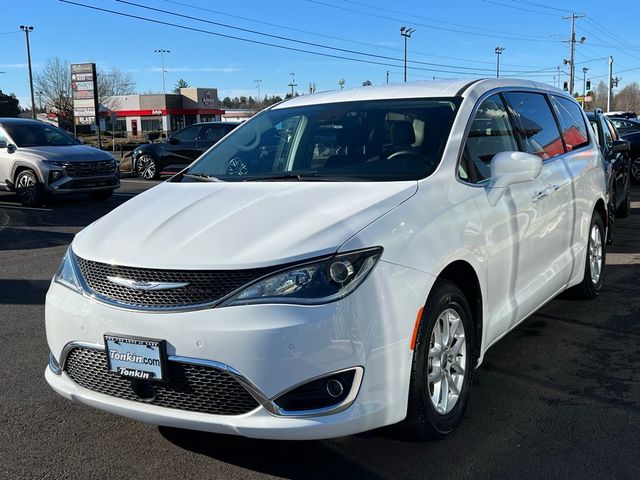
{"x":27,"y":29}
{"x":84,"y":85}
{"x":572,"y":49}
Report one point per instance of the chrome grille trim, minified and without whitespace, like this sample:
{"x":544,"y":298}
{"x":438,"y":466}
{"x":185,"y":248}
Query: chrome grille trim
{"x":89,"y":169}
{"x":205,"y":288}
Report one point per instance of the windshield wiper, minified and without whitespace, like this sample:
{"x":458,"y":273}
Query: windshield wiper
{"x":303,"y":178}
{"x":202,"y":177}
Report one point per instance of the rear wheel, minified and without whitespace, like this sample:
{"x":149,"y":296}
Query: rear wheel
{"x":29,"y":189}
{"x":593,"y":279}
{"x":147,"y":168}
{"x":442,"y":365}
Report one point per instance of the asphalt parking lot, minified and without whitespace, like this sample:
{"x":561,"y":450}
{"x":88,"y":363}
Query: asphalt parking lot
{"x":558,"y":398}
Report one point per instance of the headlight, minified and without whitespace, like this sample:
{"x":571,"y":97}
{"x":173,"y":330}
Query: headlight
{"x":311,"y":283}
{"x":67,"y":273}
{"x":55,"y":163}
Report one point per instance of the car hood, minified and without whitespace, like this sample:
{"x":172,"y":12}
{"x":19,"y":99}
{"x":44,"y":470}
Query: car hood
{"x":70,"y":153}
{"x":232,"y":225}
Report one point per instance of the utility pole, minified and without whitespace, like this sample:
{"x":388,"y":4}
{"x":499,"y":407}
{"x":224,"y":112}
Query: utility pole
{"x":258,"y":82}
{"x":27,"y":29}
{"x":498,"y":51}
{"x":610,"y":84}
{"x":572,"y":49}
{"x":406,"y":33}
{"x":162,"y":51}
{"x":293,"y":83}
{"x":387,"y":76}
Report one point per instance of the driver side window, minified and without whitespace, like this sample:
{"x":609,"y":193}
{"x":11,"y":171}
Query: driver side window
{"x":490,"y":133}
{"x":187,"y":134}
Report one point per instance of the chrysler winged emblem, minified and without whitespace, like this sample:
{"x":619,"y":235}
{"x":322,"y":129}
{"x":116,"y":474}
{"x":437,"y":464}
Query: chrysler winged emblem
{"x":146,"y":286}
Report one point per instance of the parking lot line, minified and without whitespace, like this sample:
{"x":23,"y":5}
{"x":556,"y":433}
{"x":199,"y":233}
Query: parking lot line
{"x":146,"y":182}
{"x":19,"y":207}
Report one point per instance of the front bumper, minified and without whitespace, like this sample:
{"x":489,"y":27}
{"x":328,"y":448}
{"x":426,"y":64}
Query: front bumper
{"x":274,"y":347}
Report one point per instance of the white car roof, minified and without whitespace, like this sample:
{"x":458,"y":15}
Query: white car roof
{"x":421,"y":89}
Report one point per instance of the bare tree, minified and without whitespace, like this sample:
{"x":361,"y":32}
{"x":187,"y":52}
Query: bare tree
{"x":628,"y":99}
{"x":54,"y":84}
{"x":600,"y":95}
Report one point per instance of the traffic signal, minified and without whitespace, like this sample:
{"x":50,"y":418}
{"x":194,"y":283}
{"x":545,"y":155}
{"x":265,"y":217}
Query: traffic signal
{"x":588,"y":85}
{"x":566,"y":86}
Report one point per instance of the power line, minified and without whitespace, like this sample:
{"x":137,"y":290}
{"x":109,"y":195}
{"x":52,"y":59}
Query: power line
{"x":348,"y":40}
{"x":520,"y":8}
{"x":540,"y":5}
{"x":475,"y":70}
{"x":256,"y":42}
{"x":413,"y":22}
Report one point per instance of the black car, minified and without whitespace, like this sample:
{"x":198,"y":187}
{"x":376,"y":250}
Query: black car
{"x":179,"y":149}
{"x":624,"y":125}
{"x":616,"y":152}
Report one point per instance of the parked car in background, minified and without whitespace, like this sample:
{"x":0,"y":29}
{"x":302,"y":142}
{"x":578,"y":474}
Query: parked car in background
{"x":38,"y":159}
{"x":178,"y":150}
{"x":622,"y":114}
{"x":634,"y":140}
{"x":352,"y":274}
{"x":615,"y":151}
{"x":624,"y":125}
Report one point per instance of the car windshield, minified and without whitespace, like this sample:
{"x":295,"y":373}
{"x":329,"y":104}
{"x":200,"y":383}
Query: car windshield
{"x":38,"y":135}
{"x":380,"y":140}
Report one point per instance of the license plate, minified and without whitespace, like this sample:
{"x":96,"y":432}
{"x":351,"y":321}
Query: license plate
{"x":134,"y":357}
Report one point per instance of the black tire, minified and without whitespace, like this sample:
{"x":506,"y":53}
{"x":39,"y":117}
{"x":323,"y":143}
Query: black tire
{"x":147,"y":167}
{"x":635,"y":170}
{"x":624,"y":210}
{"x":423,"y":421}
{"x":590,"y":287}
{"x":29,"y":189}
{"x":101,"y":195}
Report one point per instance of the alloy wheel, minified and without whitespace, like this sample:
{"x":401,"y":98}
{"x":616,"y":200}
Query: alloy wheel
{"x":147,"y":167}
{"x":26,"y":188}
{"x":595,"y":253}
{"x":446,"y":361}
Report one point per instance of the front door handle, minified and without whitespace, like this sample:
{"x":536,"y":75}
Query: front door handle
{"x":539,"y":196}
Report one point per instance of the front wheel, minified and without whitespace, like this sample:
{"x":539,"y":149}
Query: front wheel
{"x":442,"y":364}
{"x":29,"y":189}
{"x":593,"y":279}
{"x":635,"y":170}
{"x":147,"y":168}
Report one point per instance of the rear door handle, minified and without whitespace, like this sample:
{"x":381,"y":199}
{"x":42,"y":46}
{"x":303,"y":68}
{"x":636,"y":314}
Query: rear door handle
{"x":555,"y":188}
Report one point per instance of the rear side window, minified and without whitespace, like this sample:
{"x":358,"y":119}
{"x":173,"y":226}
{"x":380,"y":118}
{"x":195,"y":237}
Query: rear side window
{"x":574,"y":128}
{"x":612,"y":129}
{"x":535,"y":123}
{"x":490,"y":133}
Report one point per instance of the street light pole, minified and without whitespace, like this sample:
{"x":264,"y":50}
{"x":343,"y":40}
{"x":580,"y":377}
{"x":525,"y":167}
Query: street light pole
{"x":162,"y":51}
{"x":27,"y":29}
{"x":406,"y":33}
{"x":498,"y":51}
{"x":293,"y":83}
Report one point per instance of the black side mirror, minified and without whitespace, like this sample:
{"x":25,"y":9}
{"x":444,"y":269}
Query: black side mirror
{"x":173,"y":141}
{"x":619,"y":146}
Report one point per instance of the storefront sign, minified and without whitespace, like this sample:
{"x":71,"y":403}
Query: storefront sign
{"x":84,"y":87}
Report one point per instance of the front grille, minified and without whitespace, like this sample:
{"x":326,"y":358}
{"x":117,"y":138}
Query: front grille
{"x":90,"y":169}
{"x":193,"y":388}
{"x":205,"y":286}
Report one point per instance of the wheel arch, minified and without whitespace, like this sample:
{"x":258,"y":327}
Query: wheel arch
{"x":464,"y":275}
{"x":21,"y":167}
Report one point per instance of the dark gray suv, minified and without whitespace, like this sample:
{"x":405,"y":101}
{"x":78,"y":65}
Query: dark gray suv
{"x":37,"y":159}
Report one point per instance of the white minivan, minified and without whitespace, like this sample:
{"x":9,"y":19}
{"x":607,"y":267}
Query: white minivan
{"x":340,"y":262}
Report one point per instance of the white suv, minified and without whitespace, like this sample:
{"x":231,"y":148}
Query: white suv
{"x":340,"y":262}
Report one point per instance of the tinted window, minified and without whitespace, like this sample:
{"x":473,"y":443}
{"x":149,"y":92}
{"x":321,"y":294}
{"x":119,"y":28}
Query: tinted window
{"x":211,"y":133}
{"x":368,"y":140}
{"x":608,"y":136}
{"x":3,"y":137}
{"x":594,"y":127}
{"x":574,"y":128}
{"x":187,"y":134}
{"x":38,"y":135}
{"x":490,"y":133}
{"x":536,"y":124}
{"x":612,"y":130}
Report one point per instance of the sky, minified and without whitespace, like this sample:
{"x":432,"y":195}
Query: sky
{"x":229,"y":45}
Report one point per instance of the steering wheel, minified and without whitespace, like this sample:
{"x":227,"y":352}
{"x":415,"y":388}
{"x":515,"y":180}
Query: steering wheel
{"x":238,"y":166}
{"x":252,"y":145}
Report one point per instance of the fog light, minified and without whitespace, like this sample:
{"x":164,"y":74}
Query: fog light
{"x":55,"y":175}
{"x":340,"y":271}
{"x":334,"y":388}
